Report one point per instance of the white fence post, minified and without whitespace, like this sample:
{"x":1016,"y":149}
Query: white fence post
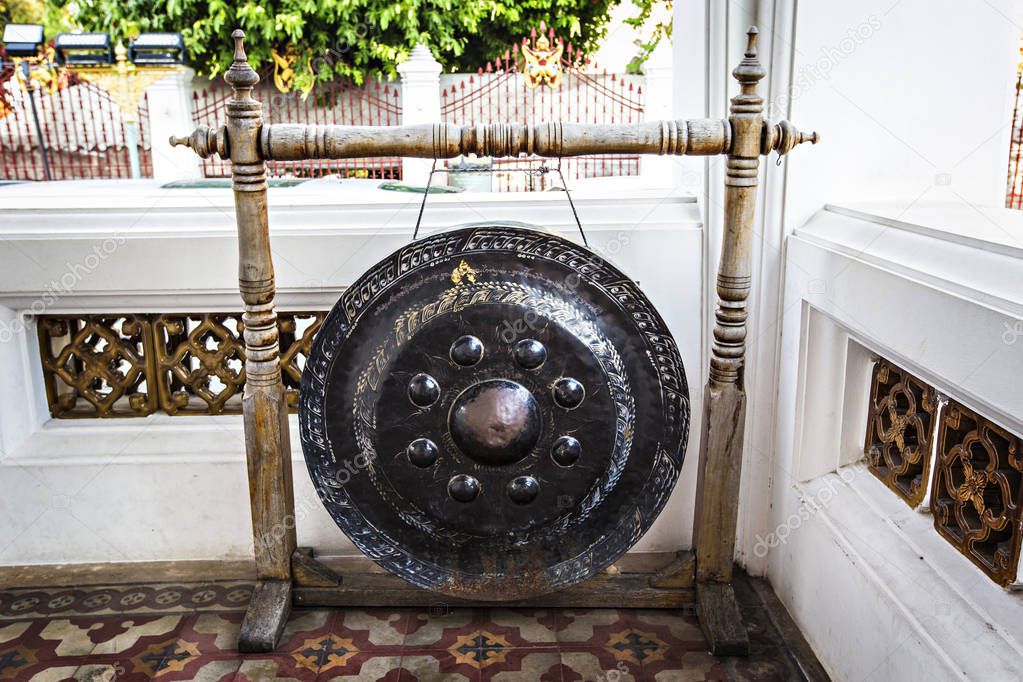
{"x":659,"y":88}
{"x":170,"y":113}
{"x":420,"y":103}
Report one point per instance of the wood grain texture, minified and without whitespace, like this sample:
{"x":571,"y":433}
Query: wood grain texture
{"x":266,"y":617}
{"x":265,"y":409}
{"x":724,"y":420}
{"x":284,"y":142}
{"x":267,"y":444}
{"x":721,"y":619}
{"x":689,"y":137}
{"x":625,"y":590}
{"x":677,"y":574}
{"x":307,"y":571}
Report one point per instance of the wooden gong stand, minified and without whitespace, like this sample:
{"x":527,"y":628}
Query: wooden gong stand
{"x":288,"y":574}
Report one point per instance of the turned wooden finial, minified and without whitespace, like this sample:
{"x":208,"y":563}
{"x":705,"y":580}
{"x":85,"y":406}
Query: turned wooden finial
{"x":751,"y":42}
{"x":238,"y":36}
{"x":750,"y":70}
{"x":204,"y":141}
{"x":783,"y":137}
{"x":241,"y":76}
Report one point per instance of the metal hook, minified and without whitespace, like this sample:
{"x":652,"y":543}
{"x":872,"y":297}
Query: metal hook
{"x":542,"y":170}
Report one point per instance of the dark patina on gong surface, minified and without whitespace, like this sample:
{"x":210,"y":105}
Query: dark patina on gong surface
{"x":494,"y":413}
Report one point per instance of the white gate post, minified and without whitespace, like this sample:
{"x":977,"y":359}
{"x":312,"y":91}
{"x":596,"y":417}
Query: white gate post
{"x":420,"y":103}
{"x":659,"y":88}
{"x":170,"y":112}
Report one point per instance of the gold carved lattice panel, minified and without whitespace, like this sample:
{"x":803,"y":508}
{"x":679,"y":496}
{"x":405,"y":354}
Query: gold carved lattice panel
{"x":297,"y":332}
{"x":978,"y":491}
{"x":120,"y":365}
{"x":900,"y":429}
{"x":201,"y":359}
{"x":98,"y":365}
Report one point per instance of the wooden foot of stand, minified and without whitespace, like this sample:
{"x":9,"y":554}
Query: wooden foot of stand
{"x":266,"y":616}
{"x":721,"y":620}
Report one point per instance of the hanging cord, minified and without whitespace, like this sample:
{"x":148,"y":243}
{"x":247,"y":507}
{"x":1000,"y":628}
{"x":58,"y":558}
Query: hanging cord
{"x":422,"y":206}
{"x":571,"y":204}
{"x":542,"y":170}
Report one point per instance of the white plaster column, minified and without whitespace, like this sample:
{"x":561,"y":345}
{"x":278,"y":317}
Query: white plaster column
{"x":659,"y":88}
{"x":420,"y":103}
{"x":170,"y":113}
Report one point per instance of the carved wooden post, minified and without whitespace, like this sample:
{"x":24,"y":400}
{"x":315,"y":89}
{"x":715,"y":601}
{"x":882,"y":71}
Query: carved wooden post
{"x":724,"y":415}
{"x":267,"y":445}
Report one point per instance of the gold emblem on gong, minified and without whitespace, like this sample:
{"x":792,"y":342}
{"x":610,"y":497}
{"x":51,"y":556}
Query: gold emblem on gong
{"x":463,"y":271}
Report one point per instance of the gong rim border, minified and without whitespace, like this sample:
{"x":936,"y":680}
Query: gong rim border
{"x":617,"y":287}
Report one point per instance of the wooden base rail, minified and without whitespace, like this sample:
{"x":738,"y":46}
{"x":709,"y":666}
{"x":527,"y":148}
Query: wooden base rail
{"x":287,"y":574}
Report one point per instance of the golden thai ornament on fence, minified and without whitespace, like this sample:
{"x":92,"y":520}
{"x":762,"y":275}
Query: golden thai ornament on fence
{"x":124,"y":81}
{"x":543,"y":62}
{"x":43,"y":75}
{"x":285,"y":75}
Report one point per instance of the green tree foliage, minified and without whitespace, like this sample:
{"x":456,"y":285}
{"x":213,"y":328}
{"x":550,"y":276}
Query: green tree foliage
{"x":353,"y":38}
{"x":654,"y":29}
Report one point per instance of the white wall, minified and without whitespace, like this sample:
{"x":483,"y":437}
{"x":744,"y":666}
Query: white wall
{"x":875,"y":590}
{"x":914,"y":112}
{"x":916,"y":108}
{"x":913,"y":100}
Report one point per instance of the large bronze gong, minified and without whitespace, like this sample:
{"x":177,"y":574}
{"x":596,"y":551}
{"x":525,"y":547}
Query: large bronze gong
{"x":494,"y":413}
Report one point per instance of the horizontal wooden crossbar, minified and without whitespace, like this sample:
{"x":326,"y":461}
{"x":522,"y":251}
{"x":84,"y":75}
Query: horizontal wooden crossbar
{"x":668,"y":587}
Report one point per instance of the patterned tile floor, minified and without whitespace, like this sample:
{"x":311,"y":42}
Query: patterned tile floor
{"x":189,"y":632}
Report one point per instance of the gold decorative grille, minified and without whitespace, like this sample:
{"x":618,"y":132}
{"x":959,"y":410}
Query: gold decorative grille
{"x":900,"y":427}
{"x":978,"y":491}
{"x":201,"y":359}
{"x":98,"y":365}
{"x":181,"y":363}
{"x":297,"y":333}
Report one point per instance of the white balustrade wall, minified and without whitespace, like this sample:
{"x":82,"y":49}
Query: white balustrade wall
{"x":175,"y":488}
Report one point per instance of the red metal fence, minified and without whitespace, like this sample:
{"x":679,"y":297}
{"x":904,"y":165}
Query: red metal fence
{"x":83,"y":135}
{"x":585,"y":94}
{"x":1014,"y":183}
{"x":338,"y":102}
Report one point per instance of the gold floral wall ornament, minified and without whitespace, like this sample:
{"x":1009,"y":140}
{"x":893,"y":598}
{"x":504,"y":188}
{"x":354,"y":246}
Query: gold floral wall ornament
{"x":543,"y":62}
{"x":98,"y":365}
{"x":899,"y":431}
{"x":977,"y":501}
